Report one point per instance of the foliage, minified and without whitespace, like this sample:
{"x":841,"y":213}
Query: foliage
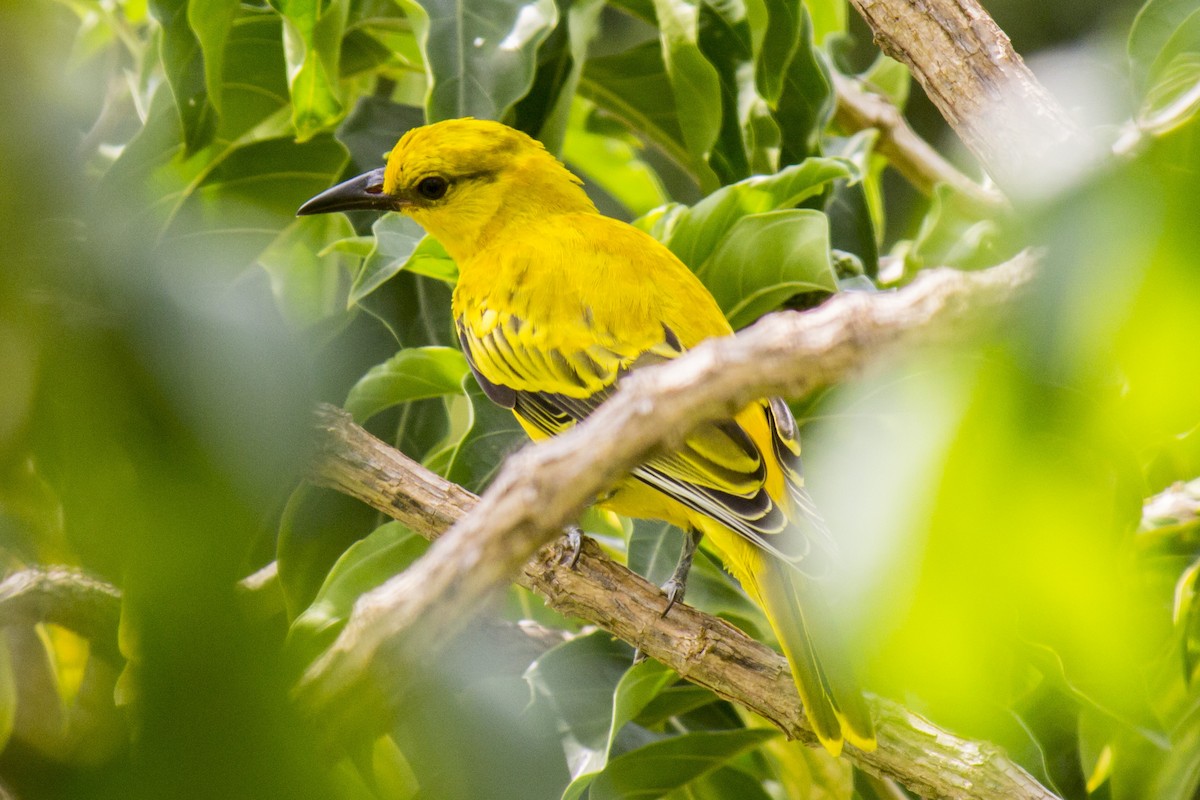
{"x":166,"y":323}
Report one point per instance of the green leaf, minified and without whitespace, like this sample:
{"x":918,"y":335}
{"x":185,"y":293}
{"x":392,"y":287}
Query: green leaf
{"x":386,"y":551}
{"x":780,"y":40}
{"x":547,"y":109}
{"x":674,"y":701}
{"x":806,"y":102}
{"x":952,"y":236}
{"x":1156,"y":23}
{"x":640,"y":684}
{"x":491,"y":433}
{"x":480,"y":54}
{"x":722,"y":784}
{"x":695,"y":84}
{"x":662,"y":767}
{"x":308,"y":281}
{"x":724,"y":40}
{"x":183,"y":62}
{"x":695,"y":233}
{"x":828,"y":17}
{"x":396,"y":240}
{"x":633,"y":86}
{"x":312,"y":36}
{"x":416,"y":373}
{"x":767,"y":258}
{"x":211,"y":20}
{"x":606,"y":155}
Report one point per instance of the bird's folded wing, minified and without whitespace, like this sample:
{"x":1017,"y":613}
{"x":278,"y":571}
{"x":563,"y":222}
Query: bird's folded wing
{"x":719,"y":471}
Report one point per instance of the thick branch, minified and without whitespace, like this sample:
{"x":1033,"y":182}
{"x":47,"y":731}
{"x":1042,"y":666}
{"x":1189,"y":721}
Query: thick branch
{"x":545,"y":486}
{"x":968,"y":68}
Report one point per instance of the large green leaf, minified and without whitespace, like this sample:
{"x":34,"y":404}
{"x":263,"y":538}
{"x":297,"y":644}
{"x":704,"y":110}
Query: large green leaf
{"x":640,"y":684}
{"x":806,"y":102}
{"x":606,"y":154}
{"x":662,"y":767}
{"x":1173,"y":85}
{"x":724,"y":39}
{"x":183,"y":62}
{"x":396,"y":239}
{"x":633,"y":86}
{"x":211,"y":20}
{"x":415,"y":373}
{"x":694,"y":234}
{"x":695,"y":84}
{"x":780,"y":39}
{"x":480,"y":54}
{"x":313,"y":43}
{"x":546,"y":110}
{"x":767,"y":258}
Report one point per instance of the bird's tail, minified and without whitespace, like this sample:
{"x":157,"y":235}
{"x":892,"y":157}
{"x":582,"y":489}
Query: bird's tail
{"x":800,"y":618}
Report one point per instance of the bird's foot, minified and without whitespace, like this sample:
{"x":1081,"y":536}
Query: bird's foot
{"x":574,"y":536}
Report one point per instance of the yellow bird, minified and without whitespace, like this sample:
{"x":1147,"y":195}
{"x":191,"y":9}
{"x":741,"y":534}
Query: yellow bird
{"x":554,"y":303}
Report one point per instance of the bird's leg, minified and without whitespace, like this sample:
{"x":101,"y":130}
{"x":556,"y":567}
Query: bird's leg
{"x":575,"y":545}
{"x":676,"y":585}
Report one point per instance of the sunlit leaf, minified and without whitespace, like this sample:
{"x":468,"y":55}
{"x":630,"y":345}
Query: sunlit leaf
{"x":183,"y":61}
{"x":212,"y":20}
{"x":491,"y":433}
{"x":607,"y":156}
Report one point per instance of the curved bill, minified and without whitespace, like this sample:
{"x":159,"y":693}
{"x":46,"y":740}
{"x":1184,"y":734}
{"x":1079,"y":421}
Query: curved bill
{"x":356,"y":194}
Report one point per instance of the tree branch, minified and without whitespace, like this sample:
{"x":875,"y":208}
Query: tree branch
{"x":968,"y":68}
{"x":544,"y":486}
{"x":68,"y":597}
{"x":913,"y":157}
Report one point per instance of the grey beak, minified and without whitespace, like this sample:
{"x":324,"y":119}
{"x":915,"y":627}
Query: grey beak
{"x":362,"y":192}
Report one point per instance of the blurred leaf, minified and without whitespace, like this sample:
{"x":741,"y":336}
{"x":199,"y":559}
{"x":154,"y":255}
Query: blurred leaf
{"x":1156,"y":23}
{"x":491,"y":434}
{"x":767,"y":258}
{"x":952,"y":236}
{"x":1172,"y":97}
{"x":695,"y":83}
{"x":312,"y":35}
{"x":671,"y":764}
{"x":183,"y":62}
{"x":415,"y":373}
{"x":481,"y":54}
{"x":309,"y":282}
{"x":828,"y":18}
{"x":387,"y":551}
{"x":212,"y":20}
{"x":8,"y":692}
{"x":606,"y":155}
{"x":890,"y":78}
{"x":696,"y":232}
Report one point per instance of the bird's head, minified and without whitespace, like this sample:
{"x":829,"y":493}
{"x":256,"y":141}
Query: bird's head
{"x":464,"y":181}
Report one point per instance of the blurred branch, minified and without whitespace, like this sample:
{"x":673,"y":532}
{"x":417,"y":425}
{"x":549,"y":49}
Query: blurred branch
{"x":1172,"y":516}
{"x":968,"y":68}
{"x":67,"y":597}
{"x":912,"y":156}
{"x":544,"y":486}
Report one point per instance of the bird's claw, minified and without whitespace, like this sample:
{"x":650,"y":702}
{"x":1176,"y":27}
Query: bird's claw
{"x":574,"y":546}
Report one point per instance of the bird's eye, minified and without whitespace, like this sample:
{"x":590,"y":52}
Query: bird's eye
{"x":433,"y":188}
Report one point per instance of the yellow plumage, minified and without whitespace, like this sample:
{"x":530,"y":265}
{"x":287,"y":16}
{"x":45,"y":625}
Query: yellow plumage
{"x":554,"y":303}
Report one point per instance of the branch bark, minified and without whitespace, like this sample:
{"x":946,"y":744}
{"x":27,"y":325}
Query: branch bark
{"x":68,"y":597}
{"x":968,"y":68}
{"x":544,"y":486}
